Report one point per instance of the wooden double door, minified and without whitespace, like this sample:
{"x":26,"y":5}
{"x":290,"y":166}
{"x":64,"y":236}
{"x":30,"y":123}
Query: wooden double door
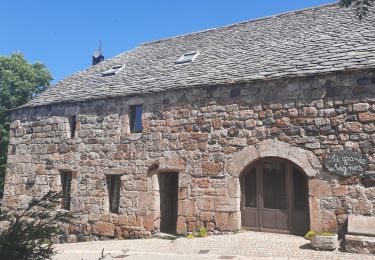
{"x":275,"y":197}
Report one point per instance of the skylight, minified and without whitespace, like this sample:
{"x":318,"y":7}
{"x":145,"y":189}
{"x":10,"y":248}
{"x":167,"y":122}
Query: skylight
{"x":187,"y":57}
{"x":112,"y":71}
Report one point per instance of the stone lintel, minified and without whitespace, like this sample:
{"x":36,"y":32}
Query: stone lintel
{"x":71,"y":110}
{"x":135,"y":100}
{"x":65,"y":167}
{"x":170,"y":165}
{"x":114,"y":171}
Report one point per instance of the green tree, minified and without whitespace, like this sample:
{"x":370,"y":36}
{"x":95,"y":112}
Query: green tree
{"x":28,"y":233}
{"x":361,"y":7}
{"x":19,"y":81}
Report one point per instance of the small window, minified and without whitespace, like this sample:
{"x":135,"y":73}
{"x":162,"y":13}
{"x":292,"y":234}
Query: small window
{"x":66,"y":183}
{"x":113,"y":184}
{"x":188,"y":57}
{"x":72,"y":125}
{"x":114,"y":70}
{"x":136,"y":119}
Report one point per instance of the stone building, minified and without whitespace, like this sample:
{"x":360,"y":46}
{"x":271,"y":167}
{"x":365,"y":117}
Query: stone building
{"x":267,"y":125}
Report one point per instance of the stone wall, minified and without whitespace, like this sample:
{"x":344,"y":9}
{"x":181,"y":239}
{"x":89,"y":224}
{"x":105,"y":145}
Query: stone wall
{"x":194,"y":131}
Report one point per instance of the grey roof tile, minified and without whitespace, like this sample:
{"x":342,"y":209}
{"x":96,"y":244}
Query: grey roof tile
{"x":305,"y":42}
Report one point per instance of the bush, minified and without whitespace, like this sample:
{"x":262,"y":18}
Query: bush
{"x":202,"y":232}
{"x":30,"y":231}
{"x":309,"y":235}
{"x":326,"y":234}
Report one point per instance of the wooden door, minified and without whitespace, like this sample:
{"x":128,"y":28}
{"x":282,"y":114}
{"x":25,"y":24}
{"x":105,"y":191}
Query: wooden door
{"x":275,"y":198}
{"x":274,"y":211}
{"x":300,"y":202}
{"x":250,"y":212}
{"x":168,"y":188}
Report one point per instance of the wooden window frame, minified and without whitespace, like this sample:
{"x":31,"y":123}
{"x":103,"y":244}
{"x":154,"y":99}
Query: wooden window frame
{"x":134,"y":119}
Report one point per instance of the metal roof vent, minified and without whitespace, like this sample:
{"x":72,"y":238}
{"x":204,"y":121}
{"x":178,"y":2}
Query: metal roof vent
{"x":187,"y":57}
{"x":114,"y":70}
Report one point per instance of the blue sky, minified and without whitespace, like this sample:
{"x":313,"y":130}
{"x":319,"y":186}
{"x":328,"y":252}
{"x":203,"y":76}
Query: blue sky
{"x":64,"y":34}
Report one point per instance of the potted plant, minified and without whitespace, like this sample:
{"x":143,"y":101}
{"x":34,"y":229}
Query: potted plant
{"x":322,"y":241}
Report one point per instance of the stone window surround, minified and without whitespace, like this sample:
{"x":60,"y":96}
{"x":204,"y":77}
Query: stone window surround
{"x":112,"y":171}
{"x":164,"y":166}
{"x":132,"y":101}
{"x":72,"y":125}
{"x":304,"y":159}
{"x":134,"y":120}
{"x":73,"y":188}
{"x":66,"y":187}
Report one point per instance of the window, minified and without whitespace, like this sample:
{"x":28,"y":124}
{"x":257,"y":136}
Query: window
{"x":72,"y":125}
{"x":114,"y":70}
{"x":136,"y":119}
{"x":188,"y":57}
{"x":66,"y":183}
{"x":113,"y":184}
{"x":251,"y":189}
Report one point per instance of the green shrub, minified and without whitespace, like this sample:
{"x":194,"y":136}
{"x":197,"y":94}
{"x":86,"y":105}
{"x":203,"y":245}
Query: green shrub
{"x":30,"y":231}
{"x":190,"y":235}
{"x":326,"y":234}
{"x":310,"y":235}
{"x":202,"y":232}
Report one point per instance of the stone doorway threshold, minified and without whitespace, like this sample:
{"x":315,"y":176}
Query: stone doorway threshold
{"x":165,"y":236}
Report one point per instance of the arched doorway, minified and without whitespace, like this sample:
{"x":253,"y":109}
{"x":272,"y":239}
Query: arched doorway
{"x":274,"y":197}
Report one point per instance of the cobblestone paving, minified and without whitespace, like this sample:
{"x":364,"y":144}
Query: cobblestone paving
{"x":247,"y":245}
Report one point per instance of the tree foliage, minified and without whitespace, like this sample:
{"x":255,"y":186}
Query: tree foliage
{"x":361,"y":7}
{"x":19,"y":81}
{"x":28,"y":235}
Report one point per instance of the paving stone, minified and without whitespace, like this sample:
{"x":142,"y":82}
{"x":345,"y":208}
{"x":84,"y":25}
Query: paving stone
{"x":244,"y":245}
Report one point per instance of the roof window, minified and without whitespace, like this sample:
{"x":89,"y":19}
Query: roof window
{"x":114,"y":70}
{"x":187,"y":57}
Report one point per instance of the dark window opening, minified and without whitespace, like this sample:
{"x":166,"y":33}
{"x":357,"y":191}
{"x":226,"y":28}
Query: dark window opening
{"x":274,"y":185}
{"x":251,"y":189}
{"x":113,"y":184}
{"x":235,"y":92}
{"x":136,"y":119}
{"x":66,"y":182}
{"x":72,"y":126}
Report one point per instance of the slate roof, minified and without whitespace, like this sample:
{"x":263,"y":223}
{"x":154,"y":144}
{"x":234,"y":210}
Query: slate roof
{"x":311,"y":41}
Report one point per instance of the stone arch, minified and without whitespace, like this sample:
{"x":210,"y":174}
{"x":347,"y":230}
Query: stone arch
{"x":306,"y":160}
{"x":240,"y":162}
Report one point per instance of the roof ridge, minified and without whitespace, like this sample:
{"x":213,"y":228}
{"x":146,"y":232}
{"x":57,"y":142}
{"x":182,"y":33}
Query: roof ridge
{"x":239,"y":23}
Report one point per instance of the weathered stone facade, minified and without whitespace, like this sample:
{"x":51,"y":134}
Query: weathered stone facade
{"x":209,"y":135}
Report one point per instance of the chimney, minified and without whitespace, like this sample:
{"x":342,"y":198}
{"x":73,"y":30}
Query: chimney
{"x":98,"y":55}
